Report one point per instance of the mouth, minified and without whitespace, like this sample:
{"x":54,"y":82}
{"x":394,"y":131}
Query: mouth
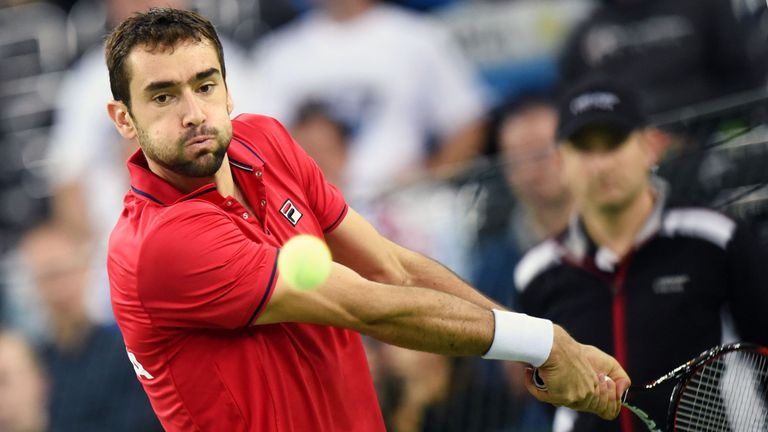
{"x":200,"y":140}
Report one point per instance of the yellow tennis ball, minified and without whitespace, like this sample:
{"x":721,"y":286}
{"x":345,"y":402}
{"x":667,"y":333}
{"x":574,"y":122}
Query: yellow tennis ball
{"x":304,"y":262}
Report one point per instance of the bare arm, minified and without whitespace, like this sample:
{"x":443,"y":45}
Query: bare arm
{"x":419,"y":319}
{"x":357,"y":245}
{"x":430,"y":320}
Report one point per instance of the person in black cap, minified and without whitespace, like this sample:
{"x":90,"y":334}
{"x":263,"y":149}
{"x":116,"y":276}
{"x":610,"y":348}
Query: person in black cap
{"x":631,"y":275}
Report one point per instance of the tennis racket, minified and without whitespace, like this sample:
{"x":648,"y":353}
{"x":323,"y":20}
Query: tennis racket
{"x":724,"y":389}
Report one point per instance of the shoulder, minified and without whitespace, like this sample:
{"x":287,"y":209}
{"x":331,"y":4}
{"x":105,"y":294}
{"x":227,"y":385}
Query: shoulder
{"x":262,"y":137}
{"x":184,"y":223}
{"x":255,"y":123}
{"x":699,"y":223}
{"x":259,"y":130}
{"x":535,"y":262}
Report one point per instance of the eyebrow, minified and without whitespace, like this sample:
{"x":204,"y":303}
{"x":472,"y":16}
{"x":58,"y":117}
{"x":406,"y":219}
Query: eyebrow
{"x":160,"y":85}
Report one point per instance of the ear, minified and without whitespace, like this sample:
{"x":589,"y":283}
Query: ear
{"x":230,"y":102}
{"x":121,"y":118}
{"x":657,"y":142}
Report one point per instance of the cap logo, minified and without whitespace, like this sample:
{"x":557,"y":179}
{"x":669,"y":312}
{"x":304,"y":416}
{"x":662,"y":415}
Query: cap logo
{"x":600,"y":101}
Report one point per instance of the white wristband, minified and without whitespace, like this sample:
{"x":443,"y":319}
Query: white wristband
{"x":519,"y":337}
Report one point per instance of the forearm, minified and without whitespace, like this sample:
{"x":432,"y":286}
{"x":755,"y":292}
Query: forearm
{"x":424,"y":272}
{"x":357,"y":245}
{"x":430,"y":321}
{"x":415,"y":318}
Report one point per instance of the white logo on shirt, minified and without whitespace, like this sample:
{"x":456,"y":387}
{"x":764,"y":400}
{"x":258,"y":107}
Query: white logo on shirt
{"x":670,"y":284}
{"x":138,"y":368}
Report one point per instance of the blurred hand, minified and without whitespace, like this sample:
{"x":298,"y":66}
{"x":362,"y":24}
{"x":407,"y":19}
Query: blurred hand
{"x":580,"y":377}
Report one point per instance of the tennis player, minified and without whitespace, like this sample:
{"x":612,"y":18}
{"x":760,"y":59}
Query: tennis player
{"x":215,"y":337}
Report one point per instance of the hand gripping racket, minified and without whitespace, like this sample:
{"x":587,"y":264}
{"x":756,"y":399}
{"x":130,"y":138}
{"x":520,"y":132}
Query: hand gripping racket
{"x":724,"y":389}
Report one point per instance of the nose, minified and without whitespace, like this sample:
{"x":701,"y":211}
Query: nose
{"x":194,"y":114}
{"x":598,"y":161}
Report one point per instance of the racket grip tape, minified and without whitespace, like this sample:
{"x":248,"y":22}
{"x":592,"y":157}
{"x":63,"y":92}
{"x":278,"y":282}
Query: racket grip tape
{"x":541,"y":385}
{"x":538,"y":381}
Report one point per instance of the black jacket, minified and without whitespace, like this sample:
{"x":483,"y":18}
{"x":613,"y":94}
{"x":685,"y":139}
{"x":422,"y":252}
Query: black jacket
{"x":657,"y":307}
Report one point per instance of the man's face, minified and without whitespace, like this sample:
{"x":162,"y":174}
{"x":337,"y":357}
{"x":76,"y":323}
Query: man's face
{"x":180,"y":107}
{"x":59,"y":268}
{"x":532,"y":164}
{"x":605,"y":175}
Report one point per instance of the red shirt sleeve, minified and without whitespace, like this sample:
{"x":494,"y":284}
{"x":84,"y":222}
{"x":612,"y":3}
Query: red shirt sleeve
{"x":327,"y":202}
{"x":197,"y":269}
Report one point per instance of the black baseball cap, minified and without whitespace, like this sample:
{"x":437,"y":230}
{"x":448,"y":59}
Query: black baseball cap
{"x":599,"y":102}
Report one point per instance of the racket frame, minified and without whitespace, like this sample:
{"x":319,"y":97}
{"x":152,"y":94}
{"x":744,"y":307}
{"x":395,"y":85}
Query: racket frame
{"x":683,"y":373}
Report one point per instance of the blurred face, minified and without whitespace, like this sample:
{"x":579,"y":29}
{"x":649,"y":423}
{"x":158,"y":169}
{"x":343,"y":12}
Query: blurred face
{"x":324,"y":141}
{"x":179,"y":108}
{"x":60,"y":270}
{"x":532,"y":163}
{"x":606,"y":175}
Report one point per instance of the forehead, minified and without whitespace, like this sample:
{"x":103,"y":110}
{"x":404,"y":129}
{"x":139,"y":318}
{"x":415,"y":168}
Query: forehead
{"x":601,"y":138}
{"x":170,"y":63}
{"x":535,"y":125}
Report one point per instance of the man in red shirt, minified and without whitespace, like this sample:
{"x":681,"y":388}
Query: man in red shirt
{"x":215,"y":337}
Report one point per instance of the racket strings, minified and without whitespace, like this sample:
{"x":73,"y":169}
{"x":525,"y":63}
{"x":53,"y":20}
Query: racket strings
{"x":727,"y":394}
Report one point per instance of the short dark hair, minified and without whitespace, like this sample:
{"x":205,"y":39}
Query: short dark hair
{"x":161,"y":28}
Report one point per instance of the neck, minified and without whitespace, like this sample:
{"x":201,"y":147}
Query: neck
{"x":69,"y":333}
{"x":617,"y":230}
{"x":222,"y":178}
{"x":225,"y":182}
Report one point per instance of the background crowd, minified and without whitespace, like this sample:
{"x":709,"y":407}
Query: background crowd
{"x":436,"y":118}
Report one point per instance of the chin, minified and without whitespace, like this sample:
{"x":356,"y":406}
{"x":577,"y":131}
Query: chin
{"x":613,"y":204}
{"x":203,"y":166}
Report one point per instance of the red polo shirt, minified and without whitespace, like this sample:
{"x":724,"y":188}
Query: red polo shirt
{"x":189,"y":273}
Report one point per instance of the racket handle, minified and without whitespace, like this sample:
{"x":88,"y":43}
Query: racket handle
{"x":537,"y":381}
{"x":624,"y":396}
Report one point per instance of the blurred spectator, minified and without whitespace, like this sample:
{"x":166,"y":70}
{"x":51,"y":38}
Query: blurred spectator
{"x":324,"y":138}
{"x":533,"y":169}
{"x":527,"y":201}
{"x":676,"y":52}
{"x":92,"y":384}
{"x":630,"y":274}
{"x":393,"y":77}
{"x":23,"y":387}
{"x":86,"y":156}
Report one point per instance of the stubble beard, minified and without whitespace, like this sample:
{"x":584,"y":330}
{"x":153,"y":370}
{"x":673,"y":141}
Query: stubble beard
{"x":204,"y":163}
